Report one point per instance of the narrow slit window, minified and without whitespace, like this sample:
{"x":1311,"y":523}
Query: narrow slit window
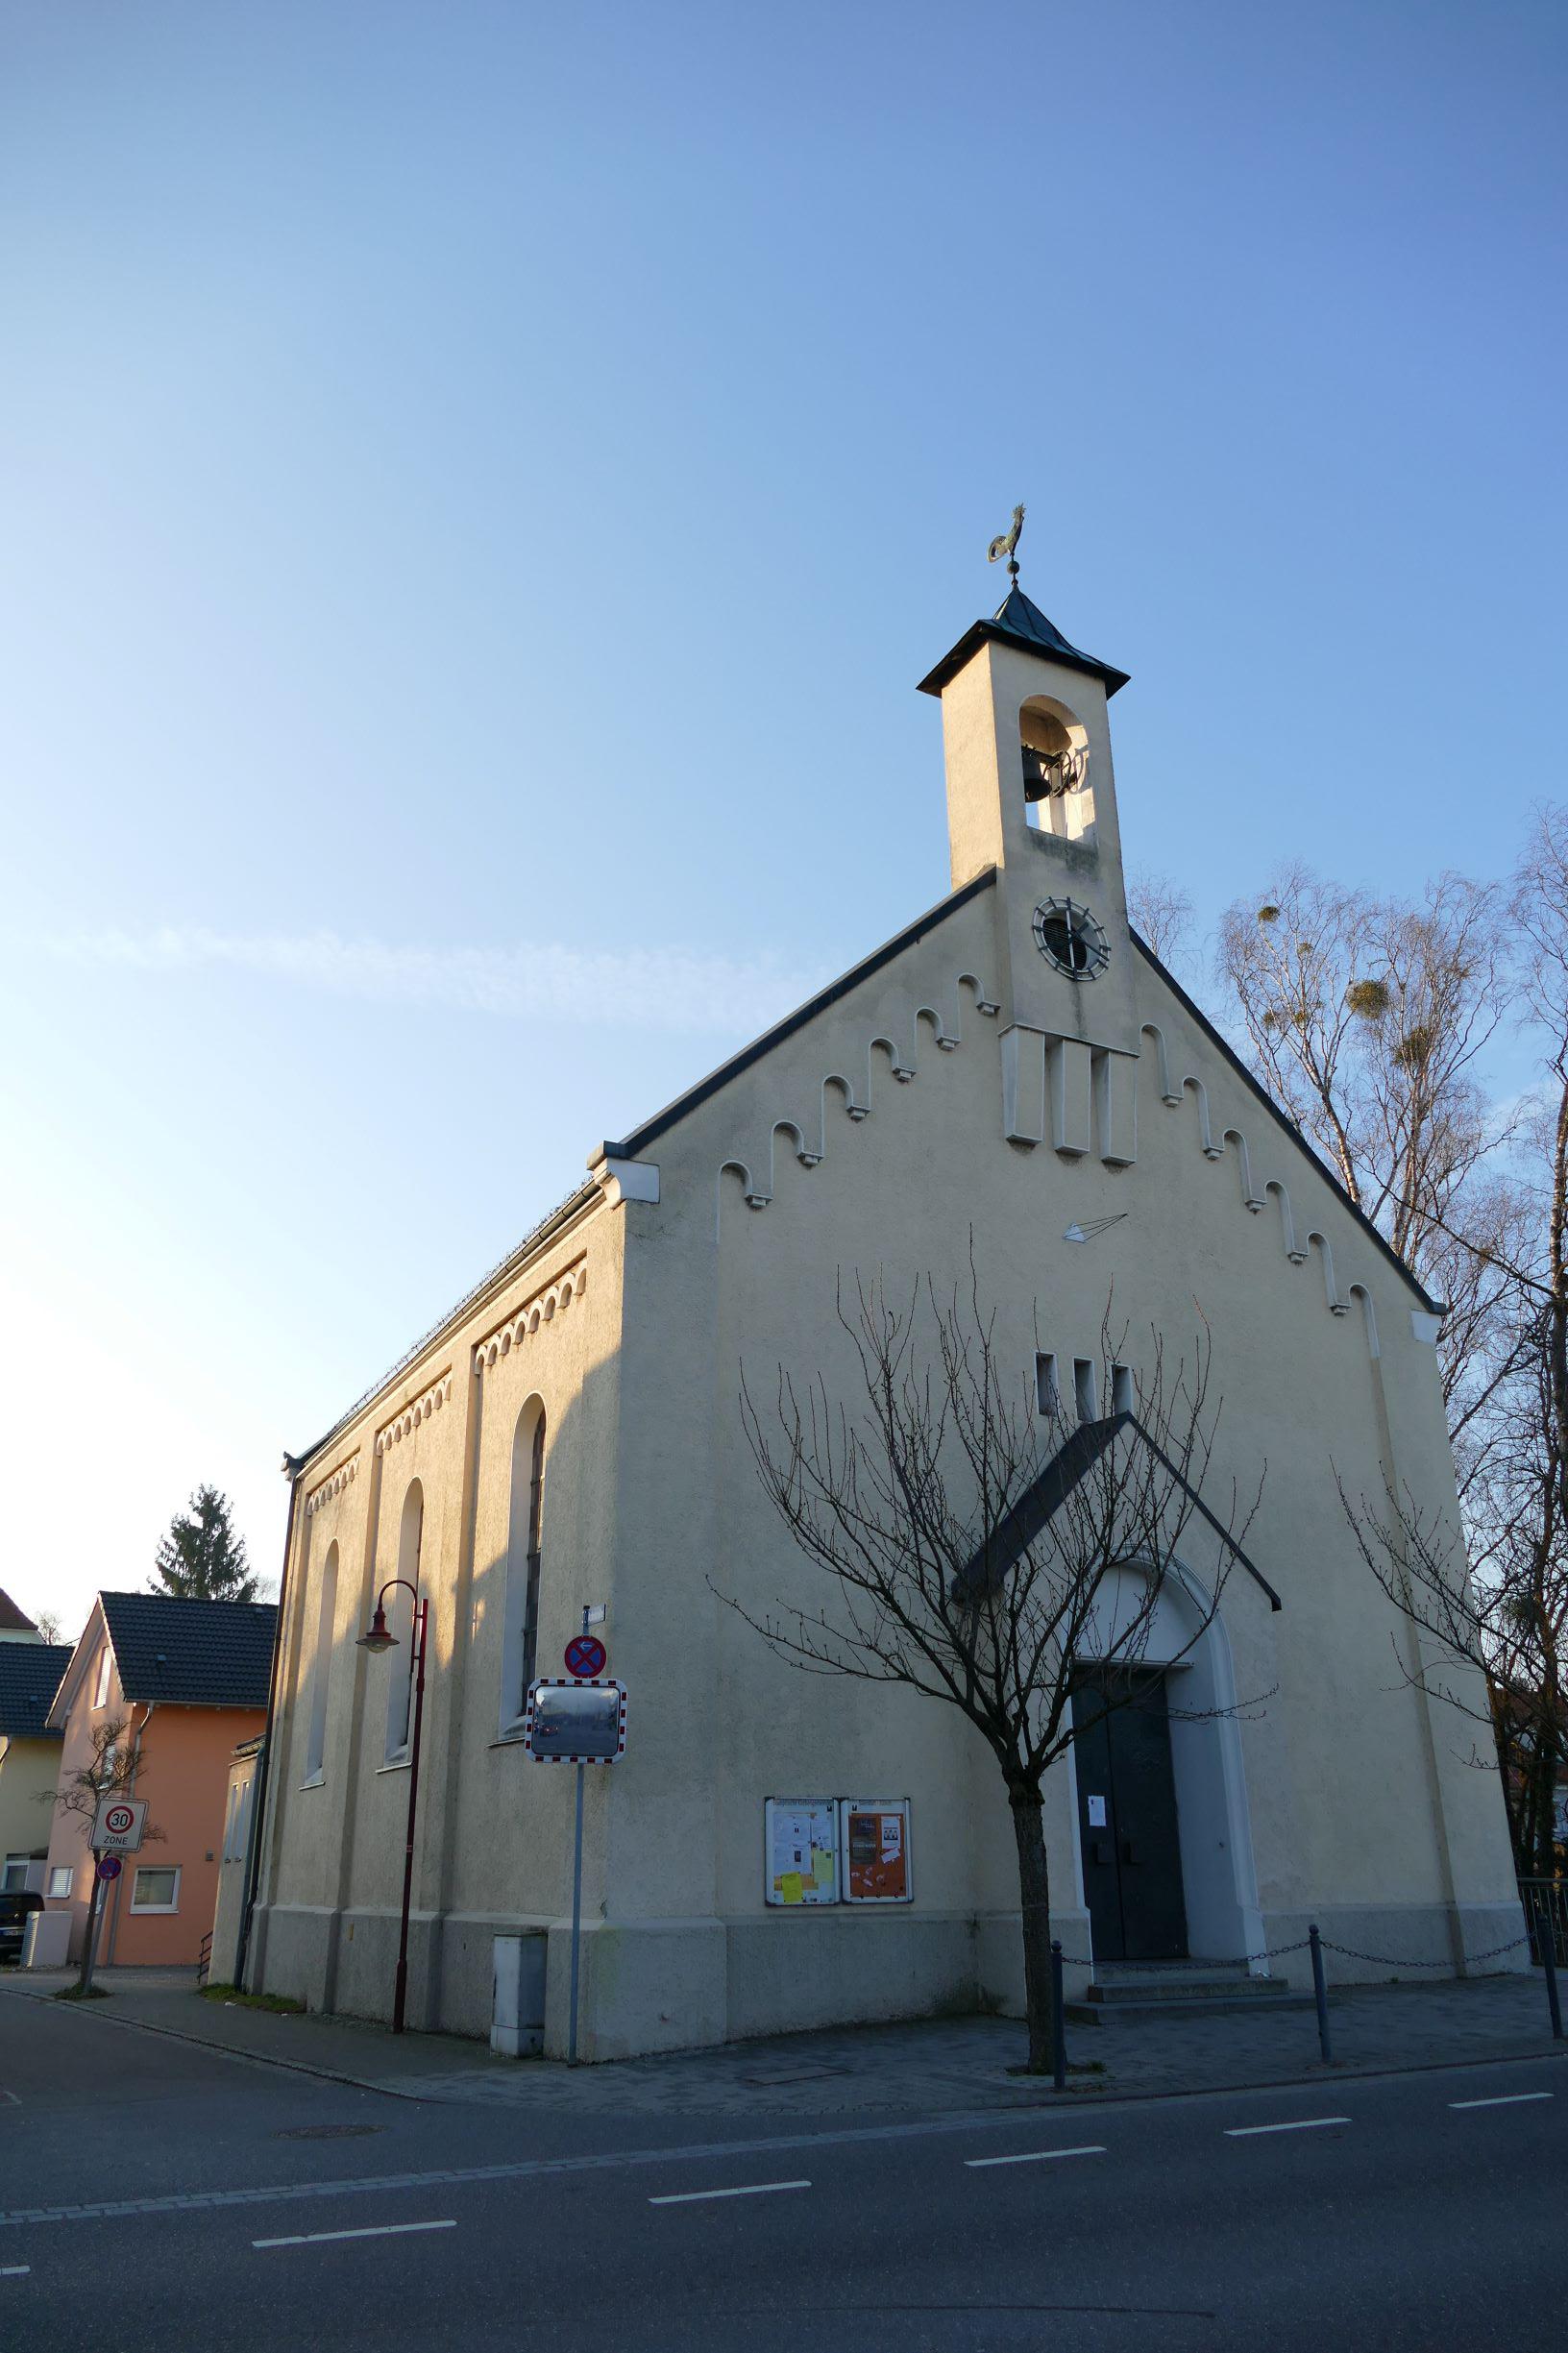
{"x":1122,"y":1389}
{"x":321,"y":1669}
{"x":1083,"y":1384}
{"x":400,"y":1617}
{"x":524,"y":1560}
{"x":1047,"y":1396}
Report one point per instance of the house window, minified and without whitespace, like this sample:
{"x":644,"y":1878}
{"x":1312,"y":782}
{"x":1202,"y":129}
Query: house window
{"x":14,"y":1874}
{"x":400,"y":1618}
{"x":321,"y":1668}
{"x":156,"y":1889}
{"x":1122,"y":1389}
{"x":1083,"y":1389}
{"x":1047,"y":1396}
{"x":524,"y":1554}
{"x":61,"y":1878}
{"x":105,"y":1664}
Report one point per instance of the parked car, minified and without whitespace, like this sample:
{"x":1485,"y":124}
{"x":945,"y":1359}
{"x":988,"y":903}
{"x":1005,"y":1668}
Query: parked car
{"x":16,"y":1908}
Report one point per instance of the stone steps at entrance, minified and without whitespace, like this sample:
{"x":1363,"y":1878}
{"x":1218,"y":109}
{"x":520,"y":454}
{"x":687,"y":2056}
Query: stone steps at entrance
{"x":1142,"y":1989}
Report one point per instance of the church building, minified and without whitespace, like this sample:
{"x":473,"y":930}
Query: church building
{"x":1014,"y":1072}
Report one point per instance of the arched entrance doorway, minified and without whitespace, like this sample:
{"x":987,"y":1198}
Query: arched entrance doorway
{"x":1161,"y":1821}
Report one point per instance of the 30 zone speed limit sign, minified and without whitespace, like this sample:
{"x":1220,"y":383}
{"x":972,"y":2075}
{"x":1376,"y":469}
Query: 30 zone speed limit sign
{"x":118,"y":1824}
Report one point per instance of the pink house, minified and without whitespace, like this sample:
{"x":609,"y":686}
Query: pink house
{"x":188,"y":1680}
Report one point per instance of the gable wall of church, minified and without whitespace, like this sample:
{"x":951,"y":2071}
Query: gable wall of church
{"x":1224,"y":1224}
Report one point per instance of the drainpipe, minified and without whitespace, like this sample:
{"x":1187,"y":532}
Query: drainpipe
{"x":130,"y":1791}
{"x":263,"y":1758}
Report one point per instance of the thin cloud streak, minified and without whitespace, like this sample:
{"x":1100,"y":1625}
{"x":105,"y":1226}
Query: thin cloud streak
{"x":651,"y":989}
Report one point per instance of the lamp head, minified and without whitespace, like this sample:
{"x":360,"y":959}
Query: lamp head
{"x":380,"y":1636}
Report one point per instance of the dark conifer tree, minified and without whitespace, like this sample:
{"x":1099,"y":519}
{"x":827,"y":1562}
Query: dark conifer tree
{"x":202,"y":1559}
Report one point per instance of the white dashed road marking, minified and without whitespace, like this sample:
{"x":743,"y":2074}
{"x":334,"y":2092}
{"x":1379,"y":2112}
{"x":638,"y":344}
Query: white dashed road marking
{"x":15,"y":2270}
{"x":377,"y":2230}
{"x":1504,"y":2099}
{"x":754,"y":2189}
{"x":1034,"y":2156}
{"x":1300,"y":2123}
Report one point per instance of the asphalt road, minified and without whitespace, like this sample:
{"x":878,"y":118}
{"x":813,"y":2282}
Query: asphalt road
{"x":193,"y":2200}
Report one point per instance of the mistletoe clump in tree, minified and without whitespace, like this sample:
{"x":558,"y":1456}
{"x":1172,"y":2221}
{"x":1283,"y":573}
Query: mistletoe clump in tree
{"x":202,"y":1559}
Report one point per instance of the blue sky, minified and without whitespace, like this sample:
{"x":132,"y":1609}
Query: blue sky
{"x":481,"y":483}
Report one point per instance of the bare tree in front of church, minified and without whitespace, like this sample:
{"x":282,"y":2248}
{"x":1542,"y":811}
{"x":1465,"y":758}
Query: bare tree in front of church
{"x":202,"y":1559}
{"x":982,"y":1545}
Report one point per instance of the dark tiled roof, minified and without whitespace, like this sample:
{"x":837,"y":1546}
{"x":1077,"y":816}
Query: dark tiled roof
{"x":13,"y":1620}
{"x":30,"y":1673}
{"x":1018,"y":621}
{"x":191,"y":1653}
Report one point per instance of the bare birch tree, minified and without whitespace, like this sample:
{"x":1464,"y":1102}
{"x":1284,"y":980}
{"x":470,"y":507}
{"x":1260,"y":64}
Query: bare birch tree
{"x":1366,"y":1018}
{"x":981,"y":1545}
{"x":1493,"y":1642}
{"x":1162,"y":915}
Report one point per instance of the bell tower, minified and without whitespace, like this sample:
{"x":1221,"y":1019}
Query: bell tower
{"x":1031,"y":791}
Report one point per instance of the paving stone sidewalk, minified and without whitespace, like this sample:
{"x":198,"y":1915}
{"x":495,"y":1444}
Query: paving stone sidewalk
{"x":926,"y":2066}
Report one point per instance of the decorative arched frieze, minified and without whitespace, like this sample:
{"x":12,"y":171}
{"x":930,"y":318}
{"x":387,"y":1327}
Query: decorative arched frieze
{"x":539,"y":1309}
{"x":1205,"y":1134}
{"x":1254,"y":1197}
{"x":853,"y":1107}
{"x":1161,"y":1063}
{"x":981,"y":1003}
{"x":1293,"y":1250}
{"x":408,"y":1418}
{"x":903,"y":1071}
{"x":1251,"y":1197}
{"x":1320,"y":1244}
{"x":757,"y":1190}
{"x":750,"y":1191}
{"x":946,"y":1043}
{"x":333,"y":1485}
{"x":1369,"y":1317}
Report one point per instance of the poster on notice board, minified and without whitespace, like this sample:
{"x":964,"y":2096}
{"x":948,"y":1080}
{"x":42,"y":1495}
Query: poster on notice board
{"x":801,"y":1839}
{"x":874,"y":1841}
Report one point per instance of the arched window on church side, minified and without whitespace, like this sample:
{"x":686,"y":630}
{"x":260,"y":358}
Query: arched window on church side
{"x":321,"y":1669}
{"x":524,"y":1553}
{"x":400,"y":1619}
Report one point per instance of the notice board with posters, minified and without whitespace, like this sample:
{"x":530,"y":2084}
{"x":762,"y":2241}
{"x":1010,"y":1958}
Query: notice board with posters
{"x":800,"y":1862}
{"x":873,"y":1841}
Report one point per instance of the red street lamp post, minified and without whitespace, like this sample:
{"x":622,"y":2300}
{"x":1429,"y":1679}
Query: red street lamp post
{"x":381,"y":1637}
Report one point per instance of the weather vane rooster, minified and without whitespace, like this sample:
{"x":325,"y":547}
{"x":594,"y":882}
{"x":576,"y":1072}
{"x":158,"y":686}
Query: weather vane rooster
{"x":1006,"y":543}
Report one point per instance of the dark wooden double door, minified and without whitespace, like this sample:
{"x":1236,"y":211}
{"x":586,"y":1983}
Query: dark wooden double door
{"x":1127,"y":1823}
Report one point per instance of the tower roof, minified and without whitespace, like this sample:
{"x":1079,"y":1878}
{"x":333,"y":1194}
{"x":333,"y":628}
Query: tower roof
{"x":1017,"y":622}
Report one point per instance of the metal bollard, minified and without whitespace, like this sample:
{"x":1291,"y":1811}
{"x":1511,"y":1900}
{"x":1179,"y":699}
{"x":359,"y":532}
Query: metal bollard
{"x":1321,"y":1992}
{"x":1059,"y":2048}
{"x":1546,"y":1945}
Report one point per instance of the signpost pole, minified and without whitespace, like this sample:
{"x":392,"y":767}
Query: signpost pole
{"x":95,"y":1906}
{"x":576,"y":1903}
{"x":577,"y":1925}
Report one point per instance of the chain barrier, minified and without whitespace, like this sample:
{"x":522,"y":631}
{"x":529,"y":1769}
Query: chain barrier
{"x":1379,"y":1960}
{"x":1386,"y":1960}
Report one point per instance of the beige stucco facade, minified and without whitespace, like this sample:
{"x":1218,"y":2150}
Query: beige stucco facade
{"x":956,"y":1083}
{"x":27,"y":1772}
